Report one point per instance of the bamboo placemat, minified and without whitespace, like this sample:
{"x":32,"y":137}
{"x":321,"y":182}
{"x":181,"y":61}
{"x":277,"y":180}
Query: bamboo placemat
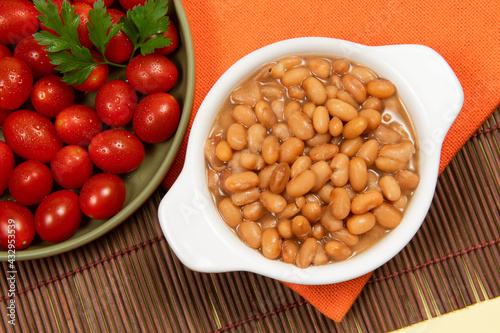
{"x":130,"y":281}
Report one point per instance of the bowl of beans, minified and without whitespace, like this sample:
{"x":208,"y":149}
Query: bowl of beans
{"x":312,"y":160}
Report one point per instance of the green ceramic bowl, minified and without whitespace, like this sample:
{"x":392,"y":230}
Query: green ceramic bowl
{"x":143,"y":181}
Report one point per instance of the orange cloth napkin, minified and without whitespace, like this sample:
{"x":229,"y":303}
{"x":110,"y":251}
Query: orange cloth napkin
{"x":465,"y":33}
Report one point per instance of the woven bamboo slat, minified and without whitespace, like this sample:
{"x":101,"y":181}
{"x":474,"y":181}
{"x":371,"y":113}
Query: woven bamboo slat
{"x":130,"y":280}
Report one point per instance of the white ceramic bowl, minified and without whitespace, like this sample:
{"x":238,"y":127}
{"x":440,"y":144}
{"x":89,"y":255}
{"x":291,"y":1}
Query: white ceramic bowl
{"x":200,"y":238}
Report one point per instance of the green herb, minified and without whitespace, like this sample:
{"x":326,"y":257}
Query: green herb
{"x":144,"y":25}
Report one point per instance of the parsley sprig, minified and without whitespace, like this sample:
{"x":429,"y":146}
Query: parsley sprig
{"x":144,"y":25}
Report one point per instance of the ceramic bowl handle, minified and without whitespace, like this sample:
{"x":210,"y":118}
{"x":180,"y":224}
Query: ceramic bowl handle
{"x":184,"y":214}
{"x":432,"y":79}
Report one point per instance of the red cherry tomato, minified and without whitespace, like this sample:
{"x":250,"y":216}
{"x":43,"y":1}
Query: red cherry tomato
{"x":77,"y":125}
{"x":6,"y":165}
{"x":116,"y":151}
{"x":129,"y":4}
{"x":4,"y":51}
{"x":30,"y":182}
{"x":151,"y":73}
{"x":16,"y":81}
{"x":82,"y":10}
{"x":96,"y":79}
{"x":58,"y":216}
{"x":156,"y":117}
{"x":173,"y":35}
{"x":102,"y":196}
{"x":71,"y":167}
{"x":35,"y":56}
{"x":18,"y":19}
{"x":120,"y":47}
{"x":107,"y":3}
{"x":115,"y":103}
{"x":31,"y":135}
{"x":17,"y":229}
{"x":50,"y":95}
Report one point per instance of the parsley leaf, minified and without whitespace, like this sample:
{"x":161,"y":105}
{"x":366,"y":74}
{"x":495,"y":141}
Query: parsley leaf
{"x":145,"y":25}
{"x":100,"y":23}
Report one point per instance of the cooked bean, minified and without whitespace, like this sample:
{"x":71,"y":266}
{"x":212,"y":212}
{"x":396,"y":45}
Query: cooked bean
{"x":212,"y":180}
{"x":274,"y":203}
{"x":320,"y":67}
{"x":407,"y":180}
{"x":310,"y":197}
{"x":341,"y":66}
{"x":373,"y":103}
{"x":321,"y":119}
{"x":320,"y":257}
{"x":340,"y":203}
{"x":301,"y":184}
{"x":350,"y":147}
{"x":283,"y":64}
{"x":211,"y":156}
{"x":385,"y":135}
{"x":252,"y":161}
{"x":324,"y":192}
{"x":389,"y":165}
{"x":255,"y":136}
{"x":296,"y":92}
{"x":329,"y":221}
{"x":237,"y":136}
{"x":282,"y":131}
{"x":341,"y":109}
{"x":336,"y":82}
{"x":346,"y":97}
{"x":268,"y":221}
{"x":245,"y":197}
{"x":300,"y":125}
{"x":294,"y":76}
{"x":279,"y":178}
{"x":318,"y":231}
{"x":363,"y":73}
{"x":331,"y":92}
{"x":301,"y":164}
{"x":358,"y":174}
{"x":265,"y":176}
{"x":285,"y":229}
{"x":366,"y":201}
{"x":355,"y":87}
{"x":308,"y":109}
{"x":311,"y":211}
{"x":230,"y":212}
{"x":345,"y":236}
{"x":289,"y":251}
{"x":401,"y":202}
{"x":380,"y":88}
{"x":242,"y":181}
{"x":340,"y":170}
{"x":248,"y":95}
{"x":273,"y":91}
{"x":401,"y":152}
{"x":301,"y":227}
{"x":251,"y":233}
{"x":335,"y":126}
{"x":315,"y":90}
{"x":291,"y":149}
{"x":278,"y":107}
{"x":244,"y":115}
{"x":387,"y":216}
{"x":323,"y":152}
{"x":323,"y":173}
{"x":223,"y":151}
{"x":222,"y":181}
{"x":291,"y":107}
{"x":270,"y":149}
{"x":373,"y":118}
{"x":369,"y":151}
{"x":290,"y":211}
{"x":319,"y":139}
{"x":265,"y":114}
{"x":307,"y":252}
{"x":354,"y":127}
{"x":271,"y":243}
{"x":390,"y":188}
{"x":253,"y":211}
{"x":372,"y":181}
{"x":338,"y":250}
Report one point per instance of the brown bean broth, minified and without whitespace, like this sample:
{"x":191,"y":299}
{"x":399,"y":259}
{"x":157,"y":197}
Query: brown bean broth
{"x":394,"y":115}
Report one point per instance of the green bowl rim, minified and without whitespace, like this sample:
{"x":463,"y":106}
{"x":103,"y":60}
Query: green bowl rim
{"x":143,"y":196}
